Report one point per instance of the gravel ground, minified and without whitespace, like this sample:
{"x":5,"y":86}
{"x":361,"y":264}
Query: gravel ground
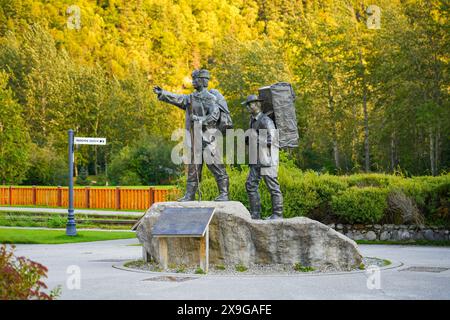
{"x":250,"y":270}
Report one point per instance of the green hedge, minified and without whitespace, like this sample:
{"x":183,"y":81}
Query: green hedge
{"x":358,"y":198}
{"x":361,"y":205}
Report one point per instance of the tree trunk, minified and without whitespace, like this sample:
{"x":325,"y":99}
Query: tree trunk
{"x":366,"y":136}
{"x":75,"y":168}
{"x":366,"y":118}
{"x":95,"y":161}
{"x":437,"y":150}
{"x":333,"y":127}
{"x":432,"y":154}
{"x":106,"y":169}
{"x":354,"y":143}
{"x":96,"y":125}
{"x":393,"y":152}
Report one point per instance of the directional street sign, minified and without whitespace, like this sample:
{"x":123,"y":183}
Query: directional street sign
{"x":71,"y":229}
{"x":85,"y":140}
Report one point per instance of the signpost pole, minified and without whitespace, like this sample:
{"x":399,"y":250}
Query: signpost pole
{"x":71,"y":227}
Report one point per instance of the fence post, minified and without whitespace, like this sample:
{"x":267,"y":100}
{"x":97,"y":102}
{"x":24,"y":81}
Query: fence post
{"x":59,"y":197}
{"x":87,"y":193}
{"x":117,"y":198}
{"x":151,"y":197}
{"x":33,"y":195}
{"x":10,"y":195}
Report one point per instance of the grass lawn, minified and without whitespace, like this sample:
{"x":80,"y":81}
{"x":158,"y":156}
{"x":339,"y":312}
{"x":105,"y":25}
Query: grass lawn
{"x":38,"y":236}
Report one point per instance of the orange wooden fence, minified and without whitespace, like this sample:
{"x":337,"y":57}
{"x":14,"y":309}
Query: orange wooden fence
{"x":98,"y":198}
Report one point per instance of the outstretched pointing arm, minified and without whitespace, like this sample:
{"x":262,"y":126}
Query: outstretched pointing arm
{"x":179,"y":100}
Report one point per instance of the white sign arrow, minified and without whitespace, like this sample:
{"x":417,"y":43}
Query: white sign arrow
{"x":94,"y":141}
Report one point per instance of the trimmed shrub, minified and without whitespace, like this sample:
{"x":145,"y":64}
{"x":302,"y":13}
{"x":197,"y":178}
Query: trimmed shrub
{"x":372,"y":180}
{"x":361,"y":205}
{"x":302,"y":191}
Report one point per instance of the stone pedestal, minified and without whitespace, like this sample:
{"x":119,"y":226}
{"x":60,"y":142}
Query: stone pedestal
{"x":236,"y":238}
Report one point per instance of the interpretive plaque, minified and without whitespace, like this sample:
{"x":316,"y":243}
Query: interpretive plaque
{"x":184,"y":222}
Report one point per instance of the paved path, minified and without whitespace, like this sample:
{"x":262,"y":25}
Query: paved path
{"x":85,"y":211}
{"x":99,"y":280}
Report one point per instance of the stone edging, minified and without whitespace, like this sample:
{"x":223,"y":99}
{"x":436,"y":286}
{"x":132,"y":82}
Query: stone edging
{"x":391,"y":232}
{"x":393,"y":265}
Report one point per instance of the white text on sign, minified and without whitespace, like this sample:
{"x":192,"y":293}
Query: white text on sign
{"x":94,"y":141}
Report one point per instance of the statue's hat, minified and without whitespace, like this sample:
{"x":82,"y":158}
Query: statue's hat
{"x":202,"y":73}
{"x":251,"y":98}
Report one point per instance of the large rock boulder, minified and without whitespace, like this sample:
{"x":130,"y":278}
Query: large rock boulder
{"x":235,"y":238}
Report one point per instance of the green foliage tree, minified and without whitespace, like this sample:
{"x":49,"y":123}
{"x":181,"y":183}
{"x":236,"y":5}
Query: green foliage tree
{"x":14,"y":137}
{"x":367,"y":99}
{"x":242,"y":67}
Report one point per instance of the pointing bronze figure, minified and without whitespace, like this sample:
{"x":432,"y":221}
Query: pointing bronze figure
{"x":209,"y":110}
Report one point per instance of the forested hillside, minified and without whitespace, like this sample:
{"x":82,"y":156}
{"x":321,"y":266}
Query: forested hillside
{"x":369,"y":98}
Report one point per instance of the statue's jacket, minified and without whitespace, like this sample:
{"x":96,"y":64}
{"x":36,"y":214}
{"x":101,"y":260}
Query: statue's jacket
{"x":265,"y":133}
{"x":200,"y":103}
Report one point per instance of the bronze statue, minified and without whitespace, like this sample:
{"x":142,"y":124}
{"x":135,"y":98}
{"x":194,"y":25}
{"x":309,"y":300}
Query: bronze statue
{"x":265,"y":166}
{"x":206,"y":108}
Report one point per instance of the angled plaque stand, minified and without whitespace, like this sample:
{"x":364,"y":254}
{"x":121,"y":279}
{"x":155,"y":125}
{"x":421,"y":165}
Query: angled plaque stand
{"x":184,"y":222}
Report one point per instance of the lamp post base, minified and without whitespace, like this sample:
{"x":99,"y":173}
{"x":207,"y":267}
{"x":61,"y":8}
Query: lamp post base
{"x":71,"y":230}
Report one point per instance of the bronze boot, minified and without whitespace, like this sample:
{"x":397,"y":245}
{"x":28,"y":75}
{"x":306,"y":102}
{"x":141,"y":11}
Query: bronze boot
{"x":191,"y":189}
{"x":223,"y":186}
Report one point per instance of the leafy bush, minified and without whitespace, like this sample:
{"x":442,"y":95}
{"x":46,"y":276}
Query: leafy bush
{"x":360,"y":205}
{"x":82,"y":179}
{"x":300,"y":268}
{"x":220,"y":267}
{"x":199,"y":271}
{"x":47,"y":167}
{"x":20,"y":278}
{"x":146,"y":162}
{"x":99,"y":180}
{"x":56,"y":221}
{"x":240,"y":268}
